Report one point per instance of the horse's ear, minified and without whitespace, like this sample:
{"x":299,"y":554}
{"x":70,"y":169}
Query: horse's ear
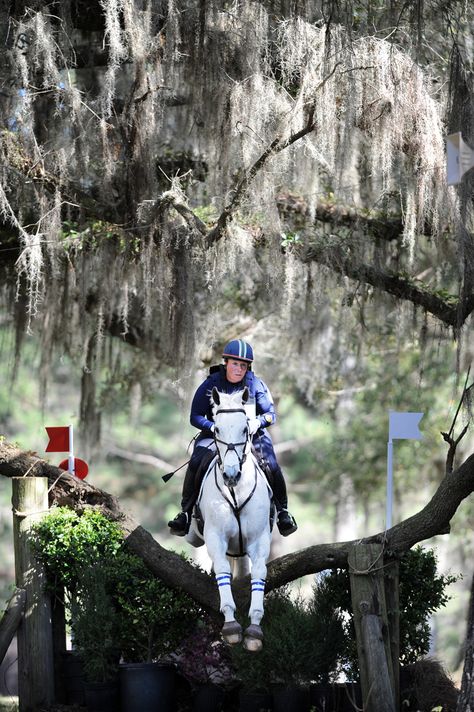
{"x":215,"y":396}
{"x":245,"y":395}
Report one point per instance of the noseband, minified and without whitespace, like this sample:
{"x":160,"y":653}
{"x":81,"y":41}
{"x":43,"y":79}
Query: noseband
{"x":231,"y":446}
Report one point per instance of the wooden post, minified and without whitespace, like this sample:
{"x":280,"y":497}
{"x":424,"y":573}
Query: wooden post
{"x":59,"y":648}
{"x":392,"y":599}
{"x":371,"y":625}
{"x":11,"y":620}
{"x":35,"y":642}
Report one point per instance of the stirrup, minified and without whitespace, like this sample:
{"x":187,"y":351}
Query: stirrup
{"x":180,"y":524}
{"x":288,"y":525}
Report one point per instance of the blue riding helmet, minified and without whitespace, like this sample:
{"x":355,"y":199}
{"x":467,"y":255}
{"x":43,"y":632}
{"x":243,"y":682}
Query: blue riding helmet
{"x":238,"y":349}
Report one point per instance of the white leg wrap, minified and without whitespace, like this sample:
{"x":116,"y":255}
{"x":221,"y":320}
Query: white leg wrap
{"x":256,"y":602}
{"x":224,"y":581}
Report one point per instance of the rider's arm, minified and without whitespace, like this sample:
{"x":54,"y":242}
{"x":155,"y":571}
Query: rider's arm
{"x":265,"y":408}
{"x":200,"y":408}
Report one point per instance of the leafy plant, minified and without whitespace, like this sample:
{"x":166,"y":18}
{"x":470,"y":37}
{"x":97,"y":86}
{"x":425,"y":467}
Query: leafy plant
{"x":95,"y":625}
{"x":303,"y":642}
{"x":153,"y":618}
{"x":67,"y":543}
{"x":203,"y":657}
{"x":115,"y":601}
{"x":422,"y":592}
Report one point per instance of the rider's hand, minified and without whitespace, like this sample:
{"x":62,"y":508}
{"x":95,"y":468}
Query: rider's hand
{"x":254,"y":425}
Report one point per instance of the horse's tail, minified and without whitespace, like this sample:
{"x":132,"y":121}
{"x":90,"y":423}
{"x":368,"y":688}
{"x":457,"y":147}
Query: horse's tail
{"x":240,"y":566}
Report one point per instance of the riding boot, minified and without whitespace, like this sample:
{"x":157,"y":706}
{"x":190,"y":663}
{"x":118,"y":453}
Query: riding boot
{"x":180,"y":524}
{"x":191,"y":486}
{"x":285,"y":521}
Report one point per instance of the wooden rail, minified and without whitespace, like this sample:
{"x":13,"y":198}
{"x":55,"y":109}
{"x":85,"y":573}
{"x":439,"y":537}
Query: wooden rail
{"x":11,"y":620}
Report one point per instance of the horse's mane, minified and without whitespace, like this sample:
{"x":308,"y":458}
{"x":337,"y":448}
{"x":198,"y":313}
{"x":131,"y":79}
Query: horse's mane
{"x":228,"y":400}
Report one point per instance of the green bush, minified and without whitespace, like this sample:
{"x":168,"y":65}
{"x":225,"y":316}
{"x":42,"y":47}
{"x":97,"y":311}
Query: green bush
{"x":302,"y":642}
{"x":96,"y":625}
{"x":115,"y":602}
{"x":67,"y":543}
{"x":422,"y":592}
{"x":153,"y":618}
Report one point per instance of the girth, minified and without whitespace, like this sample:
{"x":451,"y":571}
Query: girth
{"x":235,"y":507}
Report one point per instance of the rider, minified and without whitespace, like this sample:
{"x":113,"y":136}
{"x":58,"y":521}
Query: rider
{"x":232,"y":376}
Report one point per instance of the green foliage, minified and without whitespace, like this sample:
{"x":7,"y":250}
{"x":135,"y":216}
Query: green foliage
{"x":303,"y":641}
{"x":95,"y":625}
{"x":116,"y":603}
{"x":288,"y":239}
{"x":422,"y":592}
{"x":67,"y":542}
{"x":153,"y":618}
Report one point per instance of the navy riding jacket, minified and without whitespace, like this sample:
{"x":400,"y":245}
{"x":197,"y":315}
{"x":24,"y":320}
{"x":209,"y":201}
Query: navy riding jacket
{"x":201,"y":407}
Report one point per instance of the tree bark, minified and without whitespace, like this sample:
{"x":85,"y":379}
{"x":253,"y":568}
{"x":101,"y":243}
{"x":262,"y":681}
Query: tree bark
{"x":466,"y":697}
{"x":433,"y":519}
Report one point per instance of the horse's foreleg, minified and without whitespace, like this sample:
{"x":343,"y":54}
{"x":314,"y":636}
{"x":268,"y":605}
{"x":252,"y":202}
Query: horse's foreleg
{"x":232,"y":630}
{"x":254,"y":634}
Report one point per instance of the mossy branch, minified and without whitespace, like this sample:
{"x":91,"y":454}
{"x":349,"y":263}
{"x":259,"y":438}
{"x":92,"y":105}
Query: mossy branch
{"x":451,"y":310}
{"x":432,"y":520}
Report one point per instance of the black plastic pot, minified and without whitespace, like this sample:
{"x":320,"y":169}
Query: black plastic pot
{"x":255,"y":702}
{"x":290,"y":698}
{"x":73,"y":678}
{"x":208,"y":698}
{"x":147,"y":687}
{"x":102,"y":696}
{"x":341,"y":697}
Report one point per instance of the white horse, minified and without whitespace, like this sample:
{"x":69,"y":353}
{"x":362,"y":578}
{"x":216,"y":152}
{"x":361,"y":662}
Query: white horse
{"x":234,"y":504}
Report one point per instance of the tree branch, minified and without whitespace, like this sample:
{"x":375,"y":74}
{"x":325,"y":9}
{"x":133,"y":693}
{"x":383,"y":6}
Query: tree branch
{"x":338,"y":256}
{"x":433,"y":519}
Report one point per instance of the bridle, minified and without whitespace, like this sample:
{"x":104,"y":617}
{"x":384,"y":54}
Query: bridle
{"x":231,"y":446}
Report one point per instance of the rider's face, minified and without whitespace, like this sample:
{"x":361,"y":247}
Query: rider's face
{"x":235,"y":370}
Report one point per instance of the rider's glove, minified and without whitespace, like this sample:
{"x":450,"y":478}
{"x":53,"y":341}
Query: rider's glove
{"x":254,"y":425}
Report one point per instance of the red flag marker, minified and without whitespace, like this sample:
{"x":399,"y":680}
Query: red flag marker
{"x":58,"y":439}
{"x":81,"y":468}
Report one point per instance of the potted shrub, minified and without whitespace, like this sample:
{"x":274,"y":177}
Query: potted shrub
{"x":287,"y":646}
{"x":115,"y":604}
{"x":204,"y":661}
{"x":73,"y":549}
{"x":153,"y":621}
{"x":253,"y":673}
{"x":94,"y":623}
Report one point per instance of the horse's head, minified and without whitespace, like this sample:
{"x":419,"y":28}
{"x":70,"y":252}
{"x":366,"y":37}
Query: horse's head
{"x":231,"y":433}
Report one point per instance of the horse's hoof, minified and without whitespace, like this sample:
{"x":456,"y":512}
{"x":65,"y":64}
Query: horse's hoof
{"x":253,"y":645}
{"x":253,"y":640}
{"x":232,"y":632}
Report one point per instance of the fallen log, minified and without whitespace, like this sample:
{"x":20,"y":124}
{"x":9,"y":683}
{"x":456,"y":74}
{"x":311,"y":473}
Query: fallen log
{"x":66,"y":490}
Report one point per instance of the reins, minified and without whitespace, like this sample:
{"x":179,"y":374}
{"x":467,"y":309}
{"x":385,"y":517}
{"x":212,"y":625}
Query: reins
{"x":235,"y":507}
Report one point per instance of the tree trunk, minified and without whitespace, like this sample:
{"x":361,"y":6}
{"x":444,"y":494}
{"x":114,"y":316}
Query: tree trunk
{"x":466,"y":697}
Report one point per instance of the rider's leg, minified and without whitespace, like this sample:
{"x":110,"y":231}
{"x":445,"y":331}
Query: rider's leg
{"x":285,"y":521}
{"x":191,"y":485}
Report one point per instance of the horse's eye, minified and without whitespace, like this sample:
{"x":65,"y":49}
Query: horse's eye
{"x":216,"y":430}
